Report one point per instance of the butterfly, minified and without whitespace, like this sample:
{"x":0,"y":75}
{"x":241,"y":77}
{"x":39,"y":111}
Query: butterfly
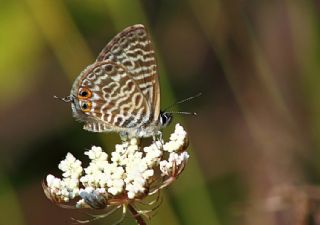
{"x":120,"y":91}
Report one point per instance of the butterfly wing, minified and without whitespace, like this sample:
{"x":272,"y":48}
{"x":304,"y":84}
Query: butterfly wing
{"x":116,"y":101}
{"x":133,"y":49}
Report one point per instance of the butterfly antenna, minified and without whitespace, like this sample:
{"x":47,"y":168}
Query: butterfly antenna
{"x":66,"y":99}
{"x":182,"y":101}
{"x":184,"y":113}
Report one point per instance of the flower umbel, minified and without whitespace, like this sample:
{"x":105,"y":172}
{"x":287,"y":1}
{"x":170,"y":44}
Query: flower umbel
{"x":124,"y":180}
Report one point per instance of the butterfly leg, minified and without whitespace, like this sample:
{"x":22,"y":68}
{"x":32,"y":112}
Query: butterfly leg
{"x":158,"y":137}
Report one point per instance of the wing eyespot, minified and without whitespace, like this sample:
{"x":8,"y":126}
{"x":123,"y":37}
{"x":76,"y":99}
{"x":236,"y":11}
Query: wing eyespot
{"x":86,"y":106}
{"x":84,"y":93}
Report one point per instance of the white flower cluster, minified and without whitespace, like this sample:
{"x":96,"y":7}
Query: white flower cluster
{"x":68,"y":187}
{"x":127,"y":172}
{"x":101,"y":174}
{"x":178,"y":140}
{"x":175,"y":160}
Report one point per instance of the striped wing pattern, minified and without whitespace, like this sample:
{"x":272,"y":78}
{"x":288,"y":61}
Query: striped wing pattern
{"x":117,"y":101}
{"x":133,"y":49}
{"x":120,"y":90}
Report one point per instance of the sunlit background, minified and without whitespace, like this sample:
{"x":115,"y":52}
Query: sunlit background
{"x":255,"y":144}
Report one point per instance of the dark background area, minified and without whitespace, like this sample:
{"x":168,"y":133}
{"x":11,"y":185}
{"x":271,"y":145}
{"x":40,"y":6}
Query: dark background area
{"x":255,"y":144}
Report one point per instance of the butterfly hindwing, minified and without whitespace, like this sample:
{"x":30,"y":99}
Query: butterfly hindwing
{"x":117,"y":101}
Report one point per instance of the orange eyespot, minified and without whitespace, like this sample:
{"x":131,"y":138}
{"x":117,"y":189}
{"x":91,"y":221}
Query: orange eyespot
{"x":84,"y":93}
{"x":86,"y":106}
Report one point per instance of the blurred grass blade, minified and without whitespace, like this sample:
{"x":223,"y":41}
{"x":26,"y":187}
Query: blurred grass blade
{"x":9,"y":206}
{"x":62,"y":35}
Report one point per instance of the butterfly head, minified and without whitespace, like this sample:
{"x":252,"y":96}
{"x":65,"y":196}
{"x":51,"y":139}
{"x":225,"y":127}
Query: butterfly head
{"x":80,"y":103}
{"x":165,"y":119}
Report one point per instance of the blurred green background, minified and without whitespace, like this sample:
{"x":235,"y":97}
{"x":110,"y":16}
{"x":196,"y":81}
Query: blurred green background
{"x":255,"y":156}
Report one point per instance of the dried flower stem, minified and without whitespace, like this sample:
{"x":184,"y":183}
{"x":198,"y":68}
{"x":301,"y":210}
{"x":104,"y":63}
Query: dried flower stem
{"x":137,"y":216}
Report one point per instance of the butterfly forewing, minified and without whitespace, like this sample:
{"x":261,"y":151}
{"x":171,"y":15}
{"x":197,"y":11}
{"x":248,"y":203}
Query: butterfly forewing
{"x":117,"y":101}
{"x":132,"y":48}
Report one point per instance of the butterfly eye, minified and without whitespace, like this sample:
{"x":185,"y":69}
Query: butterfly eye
{"x":84,"y":93}
{"x":86,"y":106}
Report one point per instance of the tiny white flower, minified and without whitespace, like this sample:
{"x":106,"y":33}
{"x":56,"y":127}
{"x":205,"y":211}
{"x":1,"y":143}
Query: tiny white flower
{"x":133,"y":141}
{"x":96,"y":154}
{"x":115,"y":157}
{"x":70,"y":166}
{"x":131,"y":195}
{"x":148,"y":173}
{"x":51,"y":180}
{"x":132,"y":148}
